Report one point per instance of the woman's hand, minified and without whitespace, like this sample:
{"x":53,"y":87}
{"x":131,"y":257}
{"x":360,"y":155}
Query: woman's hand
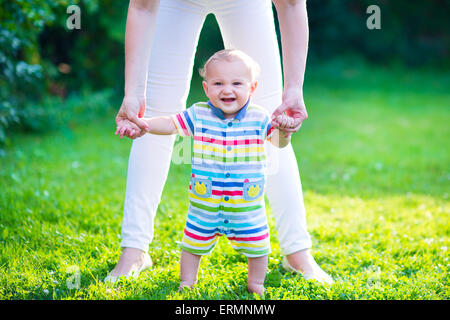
{"x":294,"y":107}
{"x":130,"y":112}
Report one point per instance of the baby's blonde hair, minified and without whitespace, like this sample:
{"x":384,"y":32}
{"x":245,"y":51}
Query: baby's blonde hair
{"x":232,"y":55}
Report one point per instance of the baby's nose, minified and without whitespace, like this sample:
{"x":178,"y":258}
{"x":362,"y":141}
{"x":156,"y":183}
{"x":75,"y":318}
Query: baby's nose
{"x":227,"y":89}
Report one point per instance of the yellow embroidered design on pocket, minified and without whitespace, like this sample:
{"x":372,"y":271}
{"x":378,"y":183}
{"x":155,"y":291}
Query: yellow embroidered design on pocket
{"x":200,"y":187}
{"x":253,"y":191}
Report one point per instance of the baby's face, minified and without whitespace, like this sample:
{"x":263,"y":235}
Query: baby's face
{"x":229,"y":85}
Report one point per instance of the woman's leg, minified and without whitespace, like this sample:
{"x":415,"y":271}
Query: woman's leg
{"x":177,"y":30}
{"x":249,"y":26}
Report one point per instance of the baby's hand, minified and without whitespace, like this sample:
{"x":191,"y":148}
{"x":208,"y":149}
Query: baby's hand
{"x":127,"y":128}
{"x":285,"y":122}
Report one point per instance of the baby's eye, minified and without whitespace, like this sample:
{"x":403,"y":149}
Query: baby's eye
{"x":237,"y":83}
{"x":217,"y":83}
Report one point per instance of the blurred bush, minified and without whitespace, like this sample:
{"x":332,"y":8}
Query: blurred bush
{"x":40,"y":57}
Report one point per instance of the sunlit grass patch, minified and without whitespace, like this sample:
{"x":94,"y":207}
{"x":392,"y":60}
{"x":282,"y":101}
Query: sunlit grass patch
{"x":374,"y":162}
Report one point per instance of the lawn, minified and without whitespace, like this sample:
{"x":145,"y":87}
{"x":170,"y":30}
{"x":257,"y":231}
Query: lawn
{"x":374,"y":160}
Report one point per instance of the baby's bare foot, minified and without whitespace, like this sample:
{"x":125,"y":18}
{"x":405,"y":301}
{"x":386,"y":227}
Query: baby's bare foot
{"x":184,"y":286}
{"x":256,"y":288}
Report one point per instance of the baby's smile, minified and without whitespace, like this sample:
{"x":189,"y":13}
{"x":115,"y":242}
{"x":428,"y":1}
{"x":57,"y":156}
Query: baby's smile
{"x":228,"y":100}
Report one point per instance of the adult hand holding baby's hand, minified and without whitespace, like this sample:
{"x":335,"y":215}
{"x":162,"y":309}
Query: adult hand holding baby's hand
{"x":129,"y":129}
{"x":130,"y":112}
{"x":294,"y":107}
{"x":285,"y":123}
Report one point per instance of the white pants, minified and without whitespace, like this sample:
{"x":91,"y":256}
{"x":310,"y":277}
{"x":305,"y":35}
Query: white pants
{"x":247,"y":26}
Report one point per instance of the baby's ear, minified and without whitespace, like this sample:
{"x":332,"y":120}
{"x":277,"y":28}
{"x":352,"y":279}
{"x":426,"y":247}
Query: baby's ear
{"x":205,"y":87}
{"x":253,"y":86}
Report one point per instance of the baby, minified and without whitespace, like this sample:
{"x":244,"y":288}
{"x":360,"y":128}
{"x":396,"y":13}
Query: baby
{"x":226,"y":190}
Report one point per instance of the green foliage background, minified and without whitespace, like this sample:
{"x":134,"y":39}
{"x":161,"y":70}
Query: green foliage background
{"x":39,"y":57}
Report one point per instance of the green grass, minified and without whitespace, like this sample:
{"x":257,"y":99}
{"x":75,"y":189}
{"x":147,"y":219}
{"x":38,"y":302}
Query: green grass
{"x":374,"y":159}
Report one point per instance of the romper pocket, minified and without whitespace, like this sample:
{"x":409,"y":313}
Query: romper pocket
{"x":201,"y":187}
{"x":253,"y":189}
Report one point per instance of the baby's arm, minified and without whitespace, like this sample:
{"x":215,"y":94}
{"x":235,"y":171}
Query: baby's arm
{"x":158,"y":125}
{"x":280,"y":138}
{"x":161,"y":125}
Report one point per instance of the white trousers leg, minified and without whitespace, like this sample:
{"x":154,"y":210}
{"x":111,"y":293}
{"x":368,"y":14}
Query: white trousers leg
{"x":245,"y":25}
{"x":177,"y":29}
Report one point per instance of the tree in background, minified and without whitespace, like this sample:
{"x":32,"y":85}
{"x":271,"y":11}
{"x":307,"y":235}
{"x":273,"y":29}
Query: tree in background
{"x":40,"y":57}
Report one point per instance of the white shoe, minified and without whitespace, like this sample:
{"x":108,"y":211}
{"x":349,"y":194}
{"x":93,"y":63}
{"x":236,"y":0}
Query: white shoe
{"x":318,"y":274}
{"x":134,"y":272}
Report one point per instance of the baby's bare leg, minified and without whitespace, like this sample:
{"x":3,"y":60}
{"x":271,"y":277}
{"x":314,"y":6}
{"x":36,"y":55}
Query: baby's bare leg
{"x":257,"y":268}
{"x":189,"y":264}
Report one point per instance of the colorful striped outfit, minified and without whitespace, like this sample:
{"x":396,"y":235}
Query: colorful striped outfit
{"x":226,"y":191}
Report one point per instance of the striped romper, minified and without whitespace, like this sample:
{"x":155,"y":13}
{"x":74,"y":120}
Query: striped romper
{"x":226,"y":190}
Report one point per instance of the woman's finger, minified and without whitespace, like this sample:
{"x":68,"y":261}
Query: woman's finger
{"x":280,"y":120}
{"x":139,"y":123}
{"x":293,"y":130}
